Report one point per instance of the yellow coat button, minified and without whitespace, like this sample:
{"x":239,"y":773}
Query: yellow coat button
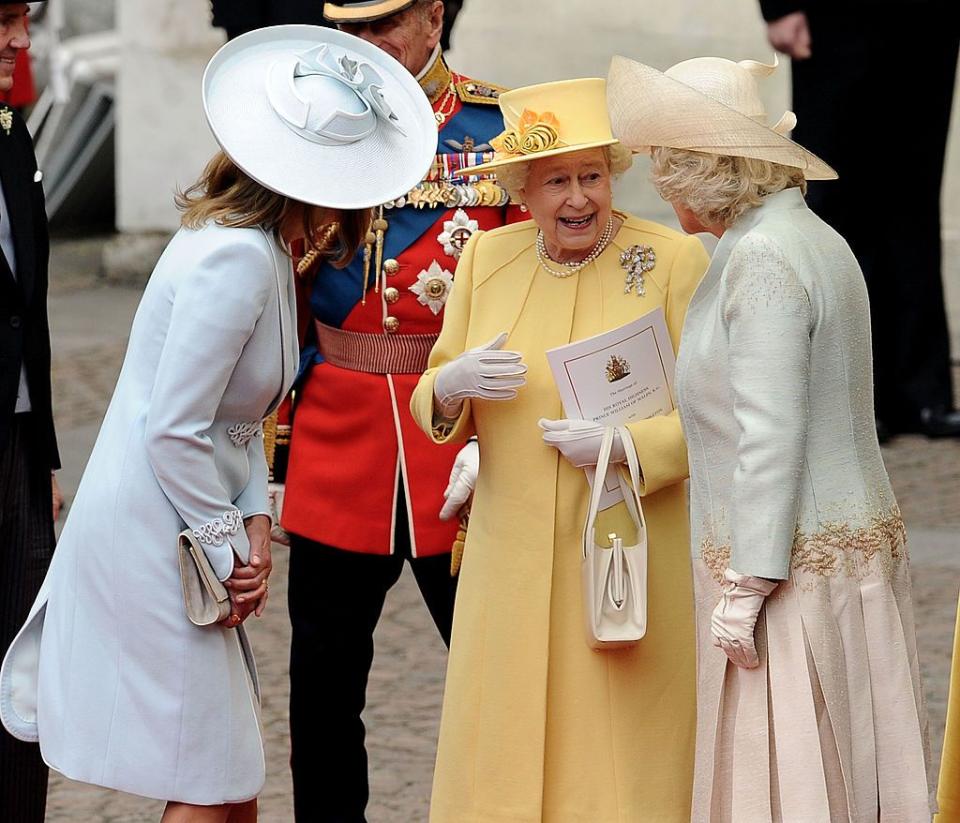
{"x":391,"y":324}
{"x":391,"y":266}
{"x":391,"y":295}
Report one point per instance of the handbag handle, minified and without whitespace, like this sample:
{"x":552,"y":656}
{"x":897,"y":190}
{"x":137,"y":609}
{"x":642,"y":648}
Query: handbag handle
{"x":630,"y":496}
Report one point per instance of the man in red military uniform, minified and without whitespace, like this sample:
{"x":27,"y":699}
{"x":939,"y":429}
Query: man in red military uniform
{"x":364,"y":486}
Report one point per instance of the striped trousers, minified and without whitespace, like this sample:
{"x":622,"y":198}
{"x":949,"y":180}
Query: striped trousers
{"x":26,"y":546}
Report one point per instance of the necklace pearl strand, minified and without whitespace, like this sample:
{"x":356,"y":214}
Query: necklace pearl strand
{"x":570,"y":269}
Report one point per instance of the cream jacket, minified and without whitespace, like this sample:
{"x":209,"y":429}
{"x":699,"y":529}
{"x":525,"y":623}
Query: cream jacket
{"x":775,"y":390}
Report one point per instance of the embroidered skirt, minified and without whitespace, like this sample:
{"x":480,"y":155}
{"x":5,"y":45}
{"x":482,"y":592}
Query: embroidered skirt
{"x":832,"y":725}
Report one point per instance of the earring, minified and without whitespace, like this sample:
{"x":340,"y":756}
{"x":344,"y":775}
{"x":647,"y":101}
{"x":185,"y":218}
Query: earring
{"x":523,"y":208}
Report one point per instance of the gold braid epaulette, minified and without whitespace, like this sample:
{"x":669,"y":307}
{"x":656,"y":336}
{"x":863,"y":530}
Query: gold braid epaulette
{"x":476,"y":91}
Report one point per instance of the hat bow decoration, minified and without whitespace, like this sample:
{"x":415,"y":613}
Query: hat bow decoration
{"x":331,"y":113}
{"x":534,"y":133}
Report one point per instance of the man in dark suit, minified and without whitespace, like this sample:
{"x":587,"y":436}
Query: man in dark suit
{"x":862,"y":68}
{"x":28,"y":447}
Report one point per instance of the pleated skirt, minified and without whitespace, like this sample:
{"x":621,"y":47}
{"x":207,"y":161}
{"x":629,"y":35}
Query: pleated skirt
{"x":832,"y":725}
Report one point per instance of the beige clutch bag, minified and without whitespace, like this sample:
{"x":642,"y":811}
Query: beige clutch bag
{"x":205,"y":597}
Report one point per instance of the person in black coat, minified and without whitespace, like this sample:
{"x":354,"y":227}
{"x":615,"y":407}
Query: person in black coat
{"x":240,"y":16}
{"x":29,"y":498}
{"x":237,"y":17}
{"x":862,"y":68}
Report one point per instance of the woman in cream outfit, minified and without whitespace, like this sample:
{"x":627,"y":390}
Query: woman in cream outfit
{"x":810,"y":707}
{"x":536,"y":726}
{"x":108,"y":673}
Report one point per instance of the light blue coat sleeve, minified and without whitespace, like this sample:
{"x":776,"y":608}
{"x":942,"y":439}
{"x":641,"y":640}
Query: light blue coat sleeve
{"x":215,"y":308}
{"x":253,"y":499}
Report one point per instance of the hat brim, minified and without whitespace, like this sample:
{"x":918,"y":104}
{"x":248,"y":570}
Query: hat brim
{"x":649,"y":109}
{"x":366,"y":12}
{"x":510,"y":160}
{"x":374,"y":170}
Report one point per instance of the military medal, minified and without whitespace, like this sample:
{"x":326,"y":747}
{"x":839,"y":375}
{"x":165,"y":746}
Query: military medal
{"x":456,"y":233}
{"x":433,"y":287}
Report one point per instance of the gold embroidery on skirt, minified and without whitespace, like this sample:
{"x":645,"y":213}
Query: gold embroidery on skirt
{"x":835,"y":548}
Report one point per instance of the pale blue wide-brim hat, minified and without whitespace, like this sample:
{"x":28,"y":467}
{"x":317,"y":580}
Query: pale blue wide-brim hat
{"x":320,"y":116}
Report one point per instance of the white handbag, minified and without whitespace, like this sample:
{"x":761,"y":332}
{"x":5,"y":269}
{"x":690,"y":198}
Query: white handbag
{"x":614,"y":580}
{"x":206,"y":599}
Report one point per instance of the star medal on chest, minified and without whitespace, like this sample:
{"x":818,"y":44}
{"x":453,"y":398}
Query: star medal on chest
{"x":456,"y":233}
{"x":433,"y":287}
{"x":637,"y":261}
{"x":6,"y":120}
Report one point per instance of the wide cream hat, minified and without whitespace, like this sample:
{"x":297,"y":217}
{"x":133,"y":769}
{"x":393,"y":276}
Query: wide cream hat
{"x":708,"y":104}
{"x":319,"y":116}
{"x":550,"y":119}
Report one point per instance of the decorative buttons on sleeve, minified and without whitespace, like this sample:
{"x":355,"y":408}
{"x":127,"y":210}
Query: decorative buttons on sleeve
{"x":218,"y":529}
{"x":242,"y":433}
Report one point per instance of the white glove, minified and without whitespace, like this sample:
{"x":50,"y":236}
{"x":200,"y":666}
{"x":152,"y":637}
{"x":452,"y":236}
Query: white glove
{"x":275,"y":492}
{"x":735,"y":616}
{"x":483,"y":372}
{"x":579,"y":441}
{"x":463,"y":480}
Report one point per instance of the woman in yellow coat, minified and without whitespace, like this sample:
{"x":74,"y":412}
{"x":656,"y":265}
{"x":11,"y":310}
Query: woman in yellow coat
{"x":948,"y":790}
{"x":536,"y":726}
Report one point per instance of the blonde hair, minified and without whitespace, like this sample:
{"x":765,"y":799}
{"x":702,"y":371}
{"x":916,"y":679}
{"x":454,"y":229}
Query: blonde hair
{"x":514,"y":177}
{"x":718,"y":188}
{"x":227,"y":196}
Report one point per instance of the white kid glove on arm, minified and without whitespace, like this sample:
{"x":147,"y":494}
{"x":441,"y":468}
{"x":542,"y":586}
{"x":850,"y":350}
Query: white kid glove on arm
{"x":579,"y":441}
{"x":485,"y":372}
{"x":735,"y":617}
{"x":463,"y":480}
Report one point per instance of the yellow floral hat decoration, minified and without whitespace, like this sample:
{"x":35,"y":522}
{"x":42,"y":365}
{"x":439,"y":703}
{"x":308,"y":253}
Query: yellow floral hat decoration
{"x":550,"y":119}
{"x":534,"y":133}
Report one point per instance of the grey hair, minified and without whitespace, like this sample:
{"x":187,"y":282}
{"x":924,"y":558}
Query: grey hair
{"x":514,"y":177}
{"x":718,"y":188}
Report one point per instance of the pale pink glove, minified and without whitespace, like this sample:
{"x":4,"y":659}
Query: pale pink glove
{"x":484,"y":372}
{"x":463,"y":480}
{"x":735,"y":617}
{"x":579,"y":441}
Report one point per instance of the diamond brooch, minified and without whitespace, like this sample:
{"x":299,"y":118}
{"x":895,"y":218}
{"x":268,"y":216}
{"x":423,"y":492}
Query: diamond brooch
{"x":637,"y":261}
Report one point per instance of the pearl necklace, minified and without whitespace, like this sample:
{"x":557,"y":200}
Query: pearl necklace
{"x":571,"y":269}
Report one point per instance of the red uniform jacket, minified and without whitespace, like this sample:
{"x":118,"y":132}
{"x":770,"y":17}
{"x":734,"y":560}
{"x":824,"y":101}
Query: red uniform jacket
{"x":354,"y":441}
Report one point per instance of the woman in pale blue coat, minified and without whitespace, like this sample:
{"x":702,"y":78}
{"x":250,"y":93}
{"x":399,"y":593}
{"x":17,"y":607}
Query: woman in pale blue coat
{"x":120,"y":689}
{"x":809,"y":703}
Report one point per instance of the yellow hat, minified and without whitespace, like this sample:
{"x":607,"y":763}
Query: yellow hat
{"x":550,"y":119}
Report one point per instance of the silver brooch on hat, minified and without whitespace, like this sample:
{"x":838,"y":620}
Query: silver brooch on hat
{"x":637,"y":260}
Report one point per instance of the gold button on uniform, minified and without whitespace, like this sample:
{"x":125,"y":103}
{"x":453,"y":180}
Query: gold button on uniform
{"x":391,"y":295}
{"x":391,"y":266}
{"x":391,"y":324}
